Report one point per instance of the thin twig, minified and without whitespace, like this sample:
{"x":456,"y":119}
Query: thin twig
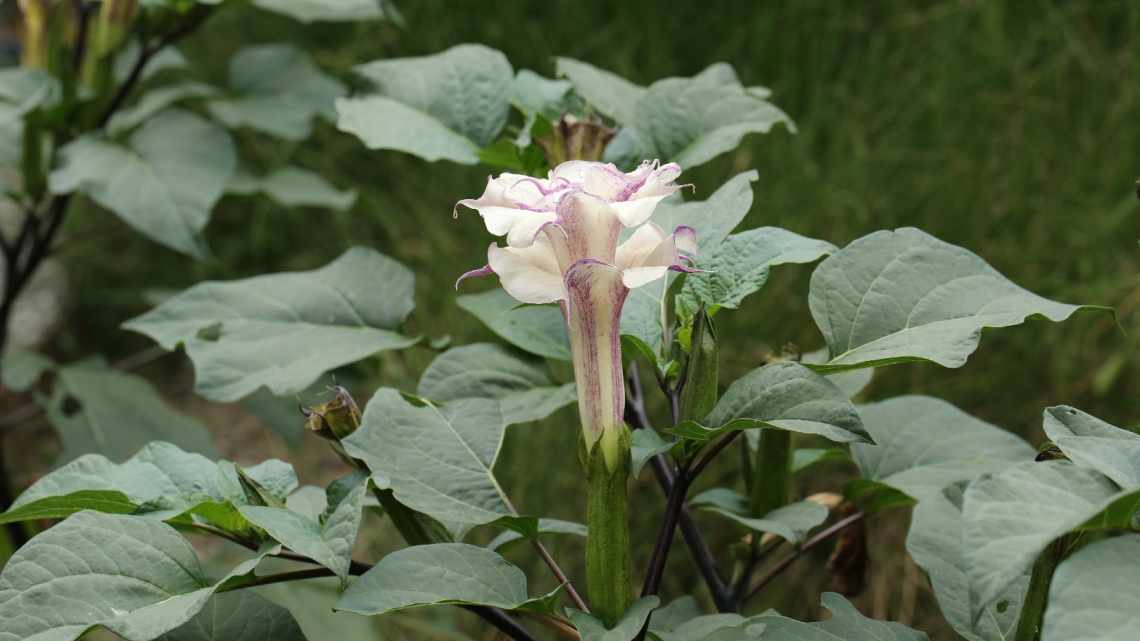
{"x":554,"y":567}
{"x":662,"y":470}
{"x":785,"y":562}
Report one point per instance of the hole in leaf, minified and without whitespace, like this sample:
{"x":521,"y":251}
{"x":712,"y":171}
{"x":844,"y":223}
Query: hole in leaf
{"x":70,"y":406}
{"x":1002,"y":606}
{"x":211,"y":332}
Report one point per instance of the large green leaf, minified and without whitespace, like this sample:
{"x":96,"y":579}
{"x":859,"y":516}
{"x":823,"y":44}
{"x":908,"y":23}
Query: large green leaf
{"x":740,"y":265}
{"x":647,"y":443}
{"x":311,"y":604}
{"x":163,"y":180}
{"x":693,"y":120}
{"x":785,"y":396}
{"x":441,"y":573}
{"x":328,"y":541}
{"x":282,"y":331}
{"x":846,"y":624}
{"x":607,"y":92}
{"x":923,"y":444}
{"x":436,"y":460}
{"x":790,"y":522}
{"x":446,"y":106}
{"x":935,"y":543}
{"x":136,"y":577}
{"x":96,"y":408}
{"x":1093,"y":595}
{"x":1093,"y":443}
{"x":326,"y":10}
{"x":535,"y":95}
{"x":238,"y":616}
{"x":592,"y":629}
{"x":483,"y":370}
{"x":903,"y":295}
{"x":852,"y":382}
{"x":278,"y":90}
{"x":160,"y":481}
{"x":293,"y":187}
{"x":154,"y":101}
{"x":538,"y":329}
{"x":1011,"y":516}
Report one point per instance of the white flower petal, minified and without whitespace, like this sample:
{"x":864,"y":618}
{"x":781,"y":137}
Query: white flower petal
{"x":639,"y":245}
{"x":634,"y":212}
{"x":634,"y":277}
{"x":524,"y":229}
{"x":529,"y":274}
{"x":603,"y":180}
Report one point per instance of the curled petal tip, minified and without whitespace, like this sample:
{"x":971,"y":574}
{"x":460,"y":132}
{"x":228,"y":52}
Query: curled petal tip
{"x":485,"y":270}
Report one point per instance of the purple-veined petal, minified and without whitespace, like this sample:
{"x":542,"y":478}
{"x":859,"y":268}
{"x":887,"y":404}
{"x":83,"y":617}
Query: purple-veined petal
{"x":587,"y":227}
{"x":528,"y":274}
{"x":635,"y":277}
{"x":685,"y":239}
{"x":593,"y":314}
{"x":485,"y":270}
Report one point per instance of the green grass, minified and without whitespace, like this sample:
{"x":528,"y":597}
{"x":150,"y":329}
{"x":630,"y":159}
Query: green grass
{"x":1011,"y":128}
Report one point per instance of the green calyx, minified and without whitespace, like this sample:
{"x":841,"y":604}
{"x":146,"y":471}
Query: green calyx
{"x":609,"y":569}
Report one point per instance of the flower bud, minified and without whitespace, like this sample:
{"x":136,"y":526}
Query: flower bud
{"x":575,"y":138}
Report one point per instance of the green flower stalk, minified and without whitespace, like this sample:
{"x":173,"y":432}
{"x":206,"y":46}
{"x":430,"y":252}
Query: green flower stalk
{"x":563,"y":247}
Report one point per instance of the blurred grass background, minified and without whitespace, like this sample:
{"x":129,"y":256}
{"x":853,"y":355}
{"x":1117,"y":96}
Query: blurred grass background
{"x":1010,"y":128}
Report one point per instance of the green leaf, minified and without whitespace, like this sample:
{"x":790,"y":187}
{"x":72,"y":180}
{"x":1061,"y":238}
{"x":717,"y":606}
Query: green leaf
{"x":538,"y":329}
{"x":534,"y":95}
{"x":545,"y":526}
{"x":647,"y":443}
{"x":924,"y":444}
{"x":278,"y":90}
{"x":484,"y":370}
{"x":692,"y":120}
{"x":436,"y":460}
{"x":328,"y":543}
{"x":238,"y":616}
{"x":293,"y":187}
{"x":935,"y":543}
{"x":23,"y":90}
{"x":96,"y":408}
{"x":696,"y":628}
{"x":446,"y":106}
{"x":902,"y":296}
{"x":154,"y":101}
{"x":791,"y":522}
{"x":1093,"y":443}
{"x":1093,"y":595}
{"x":804,"y":458}
{"x":1011,"y":516}
{"x":846,"y":624}
{"x":326,"y":10}
{"x":163,"y":181}
{"x":21,"y":369}
{"x":160,"y":481}
{"x":591,"y":629}
{"x":784,"y":396}
{"x":873,"y":496}
{"x":133,"y":576}
{"x":852,"y":382}
{"x":607,"y":92}
{"x":740,"y":265}
{"x":283,"y":331}
{"x":311,"y":604}
{"x":437,"y":574}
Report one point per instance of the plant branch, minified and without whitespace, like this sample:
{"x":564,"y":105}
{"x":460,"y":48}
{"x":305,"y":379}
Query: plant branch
{"x":554,"y":567}
{"x":787,"y":561}
{"x":698,"y":548}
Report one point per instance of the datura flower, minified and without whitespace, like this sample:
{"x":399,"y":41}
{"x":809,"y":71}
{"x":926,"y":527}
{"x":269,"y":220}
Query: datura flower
{"x":564,"y":245}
